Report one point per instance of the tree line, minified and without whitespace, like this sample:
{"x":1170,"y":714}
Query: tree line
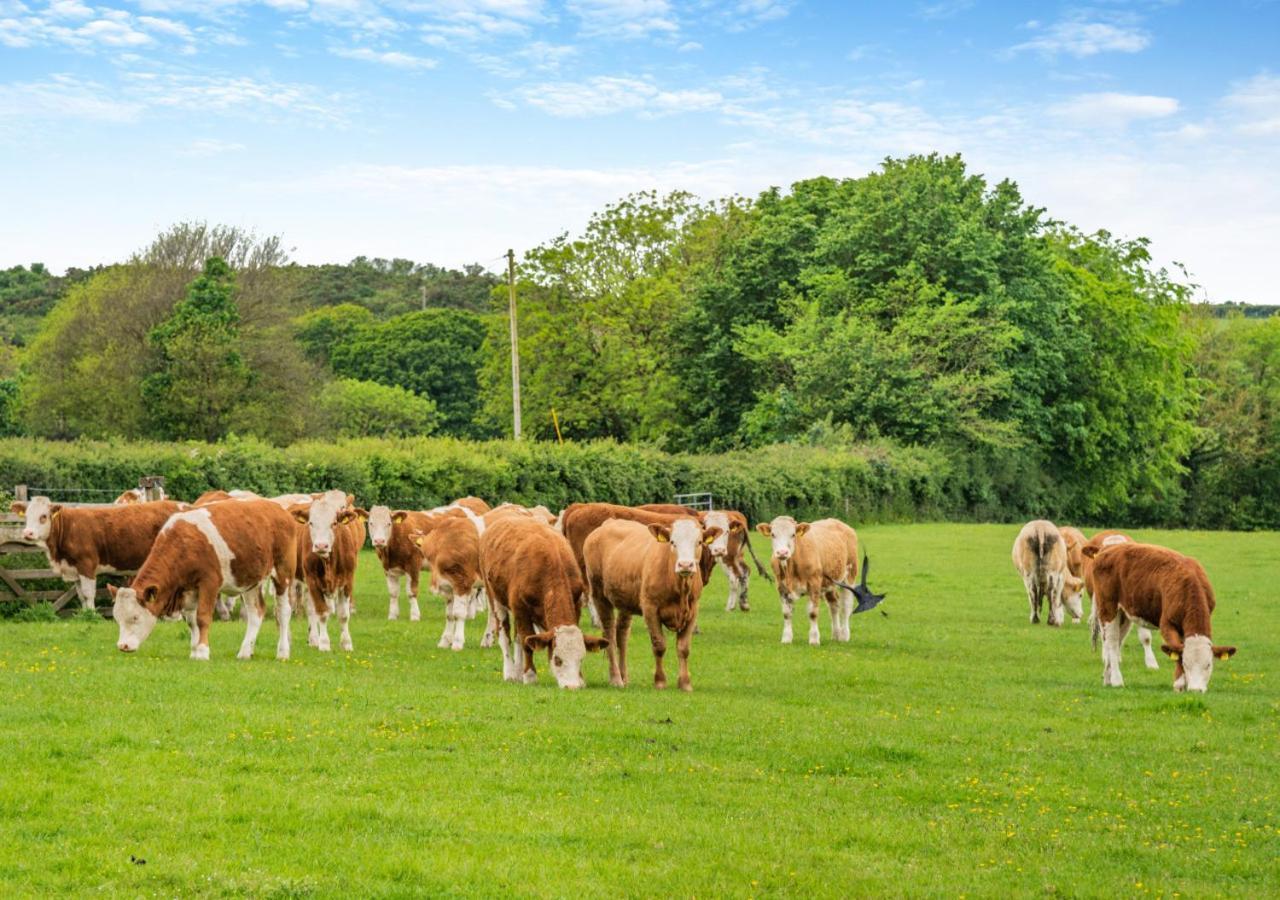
{"x":918,"y":306}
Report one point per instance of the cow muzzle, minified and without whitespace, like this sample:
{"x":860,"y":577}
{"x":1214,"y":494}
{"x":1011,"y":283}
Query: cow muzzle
{"x":320,"y":550}
{"x":28,"y":535}
{"x":124,"y":647}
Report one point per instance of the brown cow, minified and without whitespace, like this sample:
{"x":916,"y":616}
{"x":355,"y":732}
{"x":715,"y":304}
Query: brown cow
{"x":223,"y":548}
{"x":819,"y":559}
{"x":727,"y":549}
{"x":473,"y":504}
{"x":530,"y":575}
{"x":330,"y":535}
{"x":1081,"y":567}
{"x":651,"y":571}
{"x":81,"y":543}
{"x":390,"y":532}
{"x":1162,"y":589}
{"x":1040,"y":556}
{"x":452,"y":551}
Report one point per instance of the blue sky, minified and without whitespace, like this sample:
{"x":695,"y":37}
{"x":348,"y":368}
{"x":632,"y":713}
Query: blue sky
{"x":448,"y":130}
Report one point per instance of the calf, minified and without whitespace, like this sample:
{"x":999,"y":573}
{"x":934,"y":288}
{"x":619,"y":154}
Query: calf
{"x":819,"y":559}
{"x":1162,"y":589}
{"x":452,"y":551}
{"x":1040,"y":556}
{"x":1081,"y":567}
{"x":390,"y":532}
{"x":530,"y":575}
{"x":651,"y":571}
{"x":81,"y":543}
{"x":331,"y":533}
{"x":222,"y":548}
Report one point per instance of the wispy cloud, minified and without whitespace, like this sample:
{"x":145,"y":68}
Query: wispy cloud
{"x":70,"y":23}
{"x":65,"y":96}
{"x":1255,"y":105}
{"x":607,"y":95}
{"x":625,"y":19}
{"x":1081,"y":35}
{"x":1108,"y":109}
{"x":944,"y":9}
{"x":393,"y":58}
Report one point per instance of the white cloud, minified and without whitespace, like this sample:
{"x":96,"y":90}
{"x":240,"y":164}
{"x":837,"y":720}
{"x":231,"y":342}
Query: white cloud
{"x":689,"y":47}
{"x":1255,"y":105}
{"x":538,"y":56}
{"x":392,"y":58}
{"x":606,"y":95}
{"x":1080,"y":37}
{"x":625,"y":19}
{"x":1113,"y":110}
{"x":244,"y":95}
{"x":65,"y":96}
{"x":72,"y":24}
{"x":944,"y":9}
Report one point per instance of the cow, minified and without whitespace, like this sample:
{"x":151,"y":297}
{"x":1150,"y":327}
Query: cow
{"x":452,"y":551}
{"x":578,"y":520}
{"x":137,"y":495}
{"x":531,"y":576}
{"x":390,"y":532}
{"x":727,"y":549}
{"x":541,"y":513}
{"x":212,"y":497}
{"x":651,"y":571}
{"x":1159,"y":588}
{"x":331,"y":533}
{"x":819,"y":559}
{"x":1040,"y":556}
{"x":1081,"y":567}
{"x":82,"y":543}
{"x":223,"y":548}
{"x":472,"y":504}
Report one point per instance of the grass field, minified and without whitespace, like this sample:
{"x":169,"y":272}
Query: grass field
{"x":949,"y":749}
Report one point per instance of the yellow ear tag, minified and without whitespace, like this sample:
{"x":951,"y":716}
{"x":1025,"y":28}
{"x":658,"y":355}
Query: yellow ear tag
{"x":662,"y":538}
{"x":1173,"y":656}
{"x":1224,"y":656}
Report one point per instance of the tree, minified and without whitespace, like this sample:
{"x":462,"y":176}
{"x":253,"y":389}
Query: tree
{"x":350,"y":408}
{"x":200,"y":376}
{"x":321,"y":330}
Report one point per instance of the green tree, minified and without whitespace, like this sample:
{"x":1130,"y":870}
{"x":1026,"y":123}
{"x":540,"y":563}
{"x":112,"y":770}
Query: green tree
{"x":200,"y":375}
{"x":321,"y":330}
{"x":350,"y":408}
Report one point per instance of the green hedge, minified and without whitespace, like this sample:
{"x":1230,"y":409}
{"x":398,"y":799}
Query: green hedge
{"x":866,"y":483}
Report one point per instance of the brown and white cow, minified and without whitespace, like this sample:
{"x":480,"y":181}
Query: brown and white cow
{"x":531,"y":576}
{"x":1040,"y":556}
{"x":652,"y":571}
{"x":452,"y":551}
{"x":1159,"y":588}
{"x":331,"y":533}
{"x":727,"y":549}
{"x":1081,"y":567}
{"x":391,"y":533}
{"x":82,"y":543}
{"x":223,"y":548}
{"x":819,"y":559}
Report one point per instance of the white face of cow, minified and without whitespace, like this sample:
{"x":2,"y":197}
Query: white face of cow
{"x":327,"y":512}
{"x":39,"y":515}
{"x":685,"y":537}
{"x":134,"y":619}
{"x":783,"y":531}
{"x":1197,"y":662}
{"x":720,"y":546}
{"x":569,"y":646}
{"x":380,"y":525}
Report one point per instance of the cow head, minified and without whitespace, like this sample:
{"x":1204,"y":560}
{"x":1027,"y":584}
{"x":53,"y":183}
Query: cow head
{"x":1196,"y":656}
{"x":783,"y":531}
{"x":39,"y":515}
{"x":381,"y":521}
{"x":326,"y":512}
{"x":569,"y":646}
{"x":720,"y":545}
{"x":1072,"y":596}
{"x":134,"y":619}
{"x":686,"y":538}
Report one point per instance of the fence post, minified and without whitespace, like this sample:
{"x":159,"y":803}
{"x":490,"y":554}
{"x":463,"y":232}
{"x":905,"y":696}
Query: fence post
{"x":20,"y":493}
{"x":151,"y":486}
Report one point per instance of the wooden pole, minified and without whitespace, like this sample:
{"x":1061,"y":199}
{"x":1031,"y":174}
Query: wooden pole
{"x":20,"y":493}
{"x":515,"y":343}
{"x":555,"y":420}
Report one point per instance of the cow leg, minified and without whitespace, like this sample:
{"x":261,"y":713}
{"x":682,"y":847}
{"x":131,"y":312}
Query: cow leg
{"x":684,"y":640}
{"x":253,"y":610}
{"x":502,"y":626}
{"x":609,"y":631}
{"x":1033,"y":597}
{"x":284,"y":615}
{"x":489,"y":623}
{"x":525,"y":626}
{"x":844,"y":607}
{"x":1111,"y":638}
{"x":659,"y":641}
{"x":623,"y":631}
{"x":318,"y":616}
{"x":1055,"y":599}
{"x":461,"y":604}
{"x":393,"y":595}
{"x":815,"y":597}
{"x":87,"y":588}
{"x":788,"y":601}
{"x":743,"y":584}
{"x":1148,"y":657}
{"x":732,"y":603}
{"x":342,"y":605}
{"x":415,"y":613}
{"x":190,"y":601}
{"x":446,"y":636}
{"x":204,"y":618}
{"x":593,"y":612}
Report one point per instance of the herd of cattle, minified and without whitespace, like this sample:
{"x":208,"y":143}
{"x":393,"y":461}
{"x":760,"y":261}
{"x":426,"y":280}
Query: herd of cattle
{"x":1130,"y":583}
{"x":536,"y":570}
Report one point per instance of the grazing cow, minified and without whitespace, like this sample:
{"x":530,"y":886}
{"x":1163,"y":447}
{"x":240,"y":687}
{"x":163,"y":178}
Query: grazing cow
{"x":530,"y":575}
{"x":452,"y":551}
{"x":331,"y":533}
{"x":1081,"y":567}
{"x":473,"y":504}
{"x":651,"y":571}
{"x":1040,"y":556}
{"x":137,"y":495}
{"x":81,"y":543}
{"x":819,"y":559}
{"x":223,"y":548}
{"x":390,"y":532}
{"x":1162,"y":589}
{"x":727,"y":549}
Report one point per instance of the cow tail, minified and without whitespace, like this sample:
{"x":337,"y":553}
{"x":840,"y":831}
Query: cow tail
{"x":1036,"y":544}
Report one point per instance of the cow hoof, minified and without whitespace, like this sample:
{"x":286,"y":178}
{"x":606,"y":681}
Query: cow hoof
{"x":744,"y":607}
{"x":1075,"y":620}
{"x":245,"y":654}
{"x":1152,"y":664}
{"x":486,"y":641}
{"x":659,"y":685}
{"x":347,"y":645}
{"x":687,"y":687}
{"x":617,"y":682}
{"x":392,"y":616}
{"x":201,"y":653}
{"x":282,"y":655}
{"x":444,"y":643}
{"x":456,"y":647}
{"x":530,"y":678}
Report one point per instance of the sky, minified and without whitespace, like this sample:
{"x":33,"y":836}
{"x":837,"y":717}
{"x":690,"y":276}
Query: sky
{"x":446,"y":131}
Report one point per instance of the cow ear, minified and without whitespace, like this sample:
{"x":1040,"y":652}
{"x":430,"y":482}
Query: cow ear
{"x":1089,"y":551}
{"x":802,"y":528}
{"x":18,"y":507}
{"x":303,"y":516}
{"x":1171,"y":651}
{"x":361,"y":513}
{"x":711,"y":534}
{"x":594,"y":643}
{"x":736,"y":528}
{"x":149,"y":595}
{"x":399,"y":515}
{"x":765,"y":528}
{"x":661,"y":532}
{"x":345,"y":516}
{"x":111,"y":589}
{"x":539,"y":641}
{"x":1223,"y":652}
{"x":55,"y":509}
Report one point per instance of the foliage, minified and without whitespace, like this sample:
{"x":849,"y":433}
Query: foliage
{"x":321,"y":330}
{"x":9,"y":426}
{"x":394,"y":287}
{"x":352,"y":409}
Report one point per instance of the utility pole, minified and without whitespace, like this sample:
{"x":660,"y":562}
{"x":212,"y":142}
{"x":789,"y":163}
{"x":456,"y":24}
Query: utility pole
{"x":515,"y":343}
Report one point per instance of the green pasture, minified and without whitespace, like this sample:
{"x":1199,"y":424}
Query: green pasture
{"x":950,"y":749}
